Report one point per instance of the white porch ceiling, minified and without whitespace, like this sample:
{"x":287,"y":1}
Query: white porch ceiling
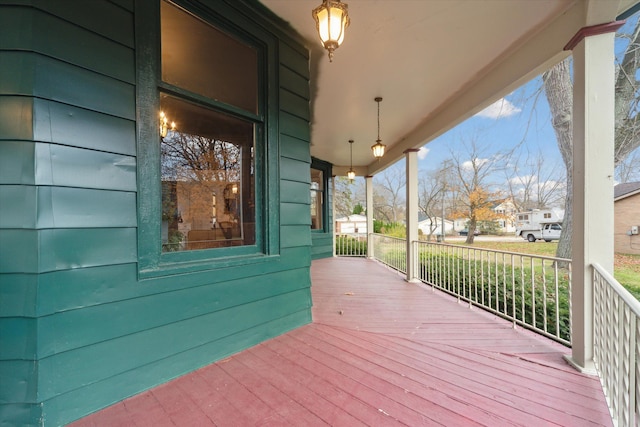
{"x":434,"y":62}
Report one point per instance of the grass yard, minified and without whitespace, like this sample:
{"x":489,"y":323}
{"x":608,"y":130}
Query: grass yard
{"x":627,"y":272}
{"x":626,"y":267}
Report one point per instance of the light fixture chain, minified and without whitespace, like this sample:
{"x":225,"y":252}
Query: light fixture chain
{"x":378,"y":121}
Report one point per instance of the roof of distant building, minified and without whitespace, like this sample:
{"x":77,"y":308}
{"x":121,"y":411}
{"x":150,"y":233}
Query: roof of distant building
{"x":625,"y":189}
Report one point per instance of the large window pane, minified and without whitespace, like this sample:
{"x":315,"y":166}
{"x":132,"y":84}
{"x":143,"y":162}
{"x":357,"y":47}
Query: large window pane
{"x":204,"y":60}
{"x":208,"y":183}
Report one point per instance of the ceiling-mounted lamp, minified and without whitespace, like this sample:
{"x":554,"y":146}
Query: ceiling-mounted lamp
{"x":164,"y":124}
{"x":378,"y":147}
{"x":351,"y":174}
{"x":331,"y":21}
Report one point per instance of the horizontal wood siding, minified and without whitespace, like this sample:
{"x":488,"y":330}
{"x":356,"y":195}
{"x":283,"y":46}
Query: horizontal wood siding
{"x":78,"y":329}
{"x":322,"y":245}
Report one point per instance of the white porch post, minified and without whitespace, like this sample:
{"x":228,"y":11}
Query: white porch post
{"x":411,"y":157}
{"x":593,"y":143}
{"x":332,"y":227}
{"x":369,"y":202}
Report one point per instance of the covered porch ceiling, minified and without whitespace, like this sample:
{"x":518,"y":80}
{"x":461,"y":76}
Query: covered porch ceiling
{"x":434,"y":63}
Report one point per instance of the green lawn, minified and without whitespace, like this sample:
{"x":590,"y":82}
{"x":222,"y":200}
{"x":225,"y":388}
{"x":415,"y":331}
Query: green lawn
{"x":627,"y":272}
{"x":524,"y":247}
{"x":626,"y":269}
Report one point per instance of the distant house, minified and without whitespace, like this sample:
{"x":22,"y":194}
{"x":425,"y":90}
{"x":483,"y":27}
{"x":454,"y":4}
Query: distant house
{"x":435,"y":224}
{"x":351,"y":224}
{"x":626,"y":199}
{"x":505,"y":211}
{"x":460,"y":223}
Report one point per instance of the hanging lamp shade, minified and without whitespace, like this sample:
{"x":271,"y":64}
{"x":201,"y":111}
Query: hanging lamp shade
{"x":378,"y":147}
{"x":331,"y":21}
{"x":351,"y":174}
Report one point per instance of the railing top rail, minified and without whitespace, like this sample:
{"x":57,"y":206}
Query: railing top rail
{"x":388,"y":237}
{"x":626,"y":296}
{"x":550,"y":258}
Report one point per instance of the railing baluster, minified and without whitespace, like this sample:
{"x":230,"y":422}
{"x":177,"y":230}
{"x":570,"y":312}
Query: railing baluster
{"x":494,"y":276}
{"x":544,"y":297}
{"x":522,"y":286}
{"x":533,"y":292}
{"x":616,"y":346}
{"x":556,"y":300}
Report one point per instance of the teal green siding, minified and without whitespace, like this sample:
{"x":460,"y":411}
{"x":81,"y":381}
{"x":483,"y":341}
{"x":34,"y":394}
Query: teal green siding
{"x":79,"y":329}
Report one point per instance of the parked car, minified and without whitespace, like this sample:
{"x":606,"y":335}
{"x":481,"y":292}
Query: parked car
{"x":465,"y":232}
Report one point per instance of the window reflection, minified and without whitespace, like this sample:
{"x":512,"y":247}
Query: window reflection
{"x":207,"y":179}
{"x":317,"y":188}
{"x":202,"y":59}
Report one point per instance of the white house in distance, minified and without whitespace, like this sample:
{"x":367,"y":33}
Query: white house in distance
{"x":435,"y":224}
{"x":351,"y":224}
{"x":506,"y":216}
{"x":460,"y":224}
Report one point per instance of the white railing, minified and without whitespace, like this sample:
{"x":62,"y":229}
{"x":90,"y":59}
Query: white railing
{"x":532,"y":291}
{"x":391,"y":251}
{"x":351,"y":244}
{"x":616,"y":337}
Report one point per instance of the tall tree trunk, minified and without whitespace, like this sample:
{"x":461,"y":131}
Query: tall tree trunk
{"x":559,"y":92}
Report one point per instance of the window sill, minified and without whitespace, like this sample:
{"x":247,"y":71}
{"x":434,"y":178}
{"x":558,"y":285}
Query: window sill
{"x":196,"y":266}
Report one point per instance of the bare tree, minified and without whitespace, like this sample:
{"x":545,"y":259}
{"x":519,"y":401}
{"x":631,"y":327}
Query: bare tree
{"x":343,"y":196}
{"x":559,"y":92}
{"x":628,"y":170}
{"x":430,"y":199}
{"x":534,"y":182}
{"x":389,"y":187}
{"x":347,"y":195}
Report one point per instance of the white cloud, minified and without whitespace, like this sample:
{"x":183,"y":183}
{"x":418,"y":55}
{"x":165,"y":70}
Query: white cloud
{"x":468,"y":165}
{"x":423,"y":153}
{"x":521,"y":180}
{"x":499,"y":109}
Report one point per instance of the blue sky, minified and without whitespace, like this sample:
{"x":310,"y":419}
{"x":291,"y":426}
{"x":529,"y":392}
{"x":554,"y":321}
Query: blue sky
{"x":522,"y":117}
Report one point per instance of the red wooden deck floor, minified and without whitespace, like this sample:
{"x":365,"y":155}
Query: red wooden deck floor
{"x":380,"y":352}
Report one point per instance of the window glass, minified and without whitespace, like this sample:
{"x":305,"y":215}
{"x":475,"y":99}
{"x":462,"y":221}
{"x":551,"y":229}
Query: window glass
{"x":207,"y":150}
{"x":207,"y":178}
{"x":317,"y":199}
{"x":202,"y":59}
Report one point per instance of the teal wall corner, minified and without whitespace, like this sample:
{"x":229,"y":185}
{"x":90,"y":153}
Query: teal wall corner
{"x":80,"y":327}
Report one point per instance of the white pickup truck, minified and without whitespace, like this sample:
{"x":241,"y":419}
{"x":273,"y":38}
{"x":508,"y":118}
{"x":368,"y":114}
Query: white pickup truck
{"x":547,"y":232}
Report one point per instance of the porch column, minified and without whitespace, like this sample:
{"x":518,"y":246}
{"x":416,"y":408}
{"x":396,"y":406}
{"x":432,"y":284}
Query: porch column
{"x":368,"y":180}
{"x":411,"y":157}
{"x":332,"y":226}
{"x":593,"y":144}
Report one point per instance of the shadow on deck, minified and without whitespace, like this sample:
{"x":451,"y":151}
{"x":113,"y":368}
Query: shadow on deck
{"x":380,"y":351}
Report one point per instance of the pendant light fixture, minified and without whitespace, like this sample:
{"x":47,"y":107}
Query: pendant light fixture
{"x":378,"y":147}
{"x":331,"y":20}
{"x":351,"y":174}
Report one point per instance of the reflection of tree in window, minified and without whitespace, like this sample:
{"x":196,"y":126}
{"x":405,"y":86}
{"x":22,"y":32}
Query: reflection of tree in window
{"x":208,"y":158}
{"x":207,"y":161}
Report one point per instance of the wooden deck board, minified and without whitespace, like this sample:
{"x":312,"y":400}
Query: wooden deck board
{"x":381,"y":352}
